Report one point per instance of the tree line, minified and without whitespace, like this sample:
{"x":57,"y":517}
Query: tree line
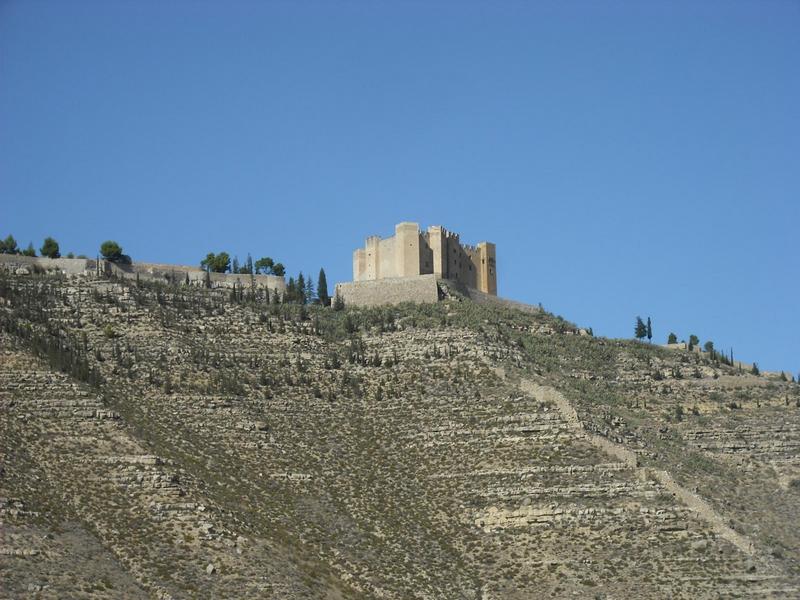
{"x":50,"y":248}
{"x":222,"y":263}
{"x":644,"y":329}
{"x":300,"y":290}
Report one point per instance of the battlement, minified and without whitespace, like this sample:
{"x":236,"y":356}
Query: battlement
{"x":436,"y":251}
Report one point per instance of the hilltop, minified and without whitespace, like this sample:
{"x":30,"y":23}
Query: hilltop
{"x":173,"y":441}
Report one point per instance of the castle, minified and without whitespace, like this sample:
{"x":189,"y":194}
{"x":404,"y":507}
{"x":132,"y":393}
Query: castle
{"x":419,"y":266}
{"x":438,"y":252}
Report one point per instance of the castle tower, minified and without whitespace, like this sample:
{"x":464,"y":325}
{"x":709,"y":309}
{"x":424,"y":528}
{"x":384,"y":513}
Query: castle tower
{"x":487,"y":273}
{"x":372,"y":259}
{"x":406,"y":249}
{"x":437,"y":240}
{"x":359,"y":264}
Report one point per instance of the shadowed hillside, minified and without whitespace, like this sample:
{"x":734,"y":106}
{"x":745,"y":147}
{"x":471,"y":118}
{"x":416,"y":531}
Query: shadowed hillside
{"x":175,"y":442}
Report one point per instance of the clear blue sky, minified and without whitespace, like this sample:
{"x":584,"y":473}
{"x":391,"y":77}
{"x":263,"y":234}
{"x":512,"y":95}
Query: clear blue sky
{"x":628,"y":158}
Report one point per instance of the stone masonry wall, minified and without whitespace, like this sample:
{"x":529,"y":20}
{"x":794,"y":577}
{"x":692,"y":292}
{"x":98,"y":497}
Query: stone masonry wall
{"x":67,"y":266}
{"x":196,"y":275}
{"x":419,"y":289}
{"x":152,"y":271}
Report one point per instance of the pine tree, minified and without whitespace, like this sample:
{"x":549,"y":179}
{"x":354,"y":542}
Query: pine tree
{"x":309,"y":291}
{"x":29,"y":251}
{"x":9,"y":245}
{"x":322,"y":289}
{"x":50,"y":248}
{"x":672,"y":339}
{"x":641,"y":329}
{"x":264,"y":265}
{"x":649,"y":330}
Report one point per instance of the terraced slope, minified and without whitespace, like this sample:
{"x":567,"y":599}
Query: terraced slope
{"x":172,"y":442}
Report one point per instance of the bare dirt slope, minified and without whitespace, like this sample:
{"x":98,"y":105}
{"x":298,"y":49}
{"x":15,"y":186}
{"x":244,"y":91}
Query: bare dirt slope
{"x":171,"y":442}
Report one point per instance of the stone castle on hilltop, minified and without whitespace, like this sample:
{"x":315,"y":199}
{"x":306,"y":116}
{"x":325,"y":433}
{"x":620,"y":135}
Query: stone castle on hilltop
{"x":420,"y":266}
{"x":410,"y":252}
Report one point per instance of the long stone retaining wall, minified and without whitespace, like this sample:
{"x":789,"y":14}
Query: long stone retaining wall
{"x":176,"y":274}
{"x":196,"y":276}
{"x":34,"y":264}
{"x":418,"y":289}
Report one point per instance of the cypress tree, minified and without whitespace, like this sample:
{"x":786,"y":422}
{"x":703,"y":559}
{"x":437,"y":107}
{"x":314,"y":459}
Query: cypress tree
{"x":248,"y":265}
{"x":322,"y":289}
{"x":693,"y":341}
{"x":309,"y":291}
{"x":301,"y":288}
{"x":649,"y":330}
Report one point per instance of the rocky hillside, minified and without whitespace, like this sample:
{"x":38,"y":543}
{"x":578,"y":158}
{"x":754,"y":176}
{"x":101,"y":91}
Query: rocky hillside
{"x":174,"y":442}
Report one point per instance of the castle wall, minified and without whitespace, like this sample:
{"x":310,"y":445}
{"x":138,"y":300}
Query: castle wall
{"x":66,"y":266}
{"x":387,"y":265}
{"x":417,"y":289}
{"x":176,"y":274}
{"x":460,"y":265}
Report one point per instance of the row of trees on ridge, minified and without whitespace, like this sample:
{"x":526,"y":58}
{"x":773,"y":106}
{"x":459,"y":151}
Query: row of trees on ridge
{"x":300,"y":290}
{"x":222,"y":263}
{"x":50,"y":248}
